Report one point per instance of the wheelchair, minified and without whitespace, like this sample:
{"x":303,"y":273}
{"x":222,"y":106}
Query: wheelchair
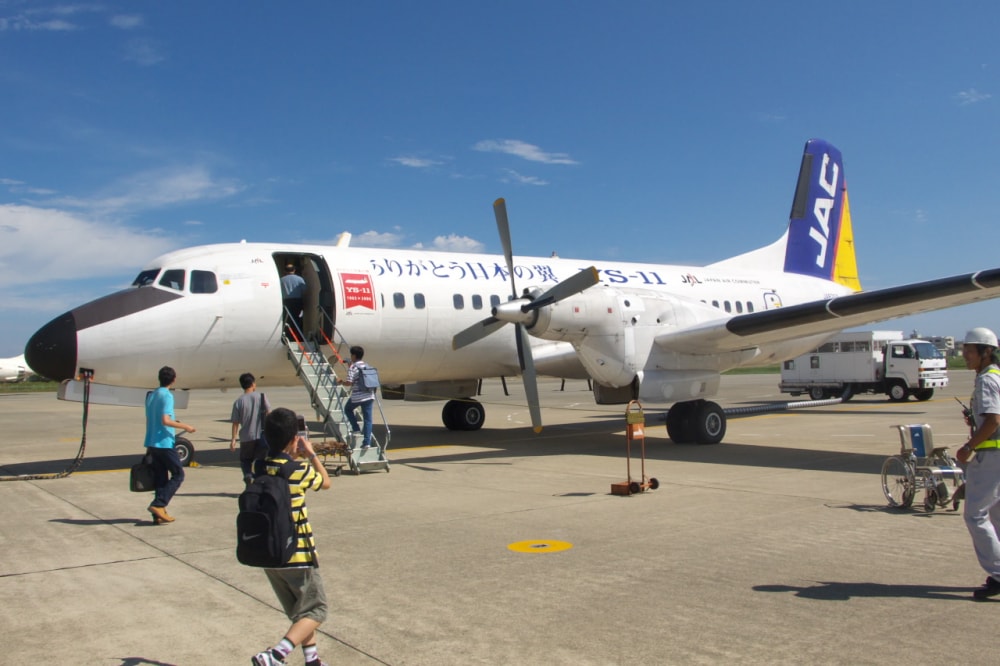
{"x":920,"y":465}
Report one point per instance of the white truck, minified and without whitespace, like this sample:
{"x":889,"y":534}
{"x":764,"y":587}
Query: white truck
{"x":867,"y":362}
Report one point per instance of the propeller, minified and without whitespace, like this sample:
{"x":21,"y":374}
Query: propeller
{"x":520,"y":311}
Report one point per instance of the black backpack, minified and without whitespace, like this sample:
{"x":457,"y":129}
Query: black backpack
{"x":265,"y":531}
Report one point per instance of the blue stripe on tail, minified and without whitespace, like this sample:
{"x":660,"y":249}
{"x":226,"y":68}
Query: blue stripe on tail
{"x":820,"y":217}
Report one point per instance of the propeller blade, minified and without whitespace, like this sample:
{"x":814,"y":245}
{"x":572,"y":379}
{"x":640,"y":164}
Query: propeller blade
{"x":568,"y":287}
{"x":500,"y":212}
{"x":476,"y":332}
{"x":529,"y":377}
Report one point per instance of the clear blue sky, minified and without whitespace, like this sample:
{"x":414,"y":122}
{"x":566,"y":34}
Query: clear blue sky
{"x":653,"y":131}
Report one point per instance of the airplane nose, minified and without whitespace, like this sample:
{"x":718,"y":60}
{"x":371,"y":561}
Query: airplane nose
{"x":51,"y":351}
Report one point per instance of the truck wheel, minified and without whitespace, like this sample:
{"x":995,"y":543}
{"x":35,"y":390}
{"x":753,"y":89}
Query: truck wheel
{"x":817,"y":393}
{"x":923,"y":394}
{"x":898,"y":392}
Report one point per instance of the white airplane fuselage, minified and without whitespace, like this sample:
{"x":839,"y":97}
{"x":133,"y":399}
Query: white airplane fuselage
{"x":211,"y":338}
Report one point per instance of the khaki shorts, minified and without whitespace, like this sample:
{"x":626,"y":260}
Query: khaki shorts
{"x":300,"y":592}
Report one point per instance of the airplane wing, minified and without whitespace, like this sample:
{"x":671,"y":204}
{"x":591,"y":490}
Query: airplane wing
{"x":832,"y":315}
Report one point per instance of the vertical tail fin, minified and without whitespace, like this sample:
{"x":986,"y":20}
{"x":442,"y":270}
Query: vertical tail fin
{"x":820,"y":237}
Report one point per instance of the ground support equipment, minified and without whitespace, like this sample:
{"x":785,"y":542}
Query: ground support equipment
{"x":635,"y":425}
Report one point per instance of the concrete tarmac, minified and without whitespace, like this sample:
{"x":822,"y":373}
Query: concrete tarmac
{"x":502,"y":546}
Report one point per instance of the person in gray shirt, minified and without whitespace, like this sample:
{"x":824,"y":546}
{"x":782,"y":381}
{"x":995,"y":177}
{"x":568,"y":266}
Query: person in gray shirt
{"x":249,"y":412}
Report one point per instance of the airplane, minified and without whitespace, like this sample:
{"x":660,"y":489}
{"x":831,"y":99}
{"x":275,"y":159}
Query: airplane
{"x":431,"y":321}
{"x":14,"y":369}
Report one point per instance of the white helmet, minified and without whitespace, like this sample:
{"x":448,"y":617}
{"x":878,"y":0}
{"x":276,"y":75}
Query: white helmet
{"x":981,"y":336}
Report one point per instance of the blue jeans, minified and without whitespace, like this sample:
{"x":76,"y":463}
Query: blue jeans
{"x":168,"y":474}
{"x":366,"y":414}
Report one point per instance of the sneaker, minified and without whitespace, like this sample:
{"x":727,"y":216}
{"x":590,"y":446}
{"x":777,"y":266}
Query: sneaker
{"x":990,"y":588}
{"x":266,"y":658}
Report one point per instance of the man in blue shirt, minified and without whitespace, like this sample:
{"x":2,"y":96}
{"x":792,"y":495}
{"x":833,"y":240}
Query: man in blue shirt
{"x":168,"y":474}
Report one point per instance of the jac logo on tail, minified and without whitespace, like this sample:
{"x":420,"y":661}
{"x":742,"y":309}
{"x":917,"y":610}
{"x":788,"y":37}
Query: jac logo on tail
{"x":823,"y":207}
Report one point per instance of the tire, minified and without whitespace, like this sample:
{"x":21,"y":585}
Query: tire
{"x":898,"y":482}
{"x":817,"y":393}
{"x":923,"y":394}
{"x":710,"y":423}
{"x":898,"y":392}
{"x":463,"y":415}
{"x":185,"y":450}
{"x":680,"y":427}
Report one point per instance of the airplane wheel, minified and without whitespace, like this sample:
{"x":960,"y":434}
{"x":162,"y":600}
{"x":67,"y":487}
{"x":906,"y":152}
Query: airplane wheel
{"x":710,"y":423}
{"x":680,"y":429}
{"x":185,"y":451}
{"x":463,"y":415}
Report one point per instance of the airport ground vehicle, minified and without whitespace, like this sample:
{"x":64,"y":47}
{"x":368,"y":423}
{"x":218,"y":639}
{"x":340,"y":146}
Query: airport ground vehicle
{"x":920,"y":465}
{"x":867,"y":362}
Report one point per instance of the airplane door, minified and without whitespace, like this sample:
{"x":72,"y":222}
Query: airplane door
{"x":771,"y":300}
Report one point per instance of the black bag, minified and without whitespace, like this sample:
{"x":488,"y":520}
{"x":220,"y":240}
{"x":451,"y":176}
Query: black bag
{"x":368,"y":378}
{"x":141,"y":478}
{"x":265,"y":531}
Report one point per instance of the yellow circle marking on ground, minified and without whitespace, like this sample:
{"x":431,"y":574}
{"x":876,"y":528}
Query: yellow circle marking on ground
{"x":546,"y":546}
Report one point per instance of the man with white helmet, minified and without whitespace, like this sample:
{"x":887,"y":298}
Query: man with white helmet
{"x":982,"y":455}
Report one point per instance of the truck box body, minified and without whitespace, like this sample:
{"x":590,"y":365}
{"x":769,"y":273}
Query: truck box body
{"x":867,"y":362}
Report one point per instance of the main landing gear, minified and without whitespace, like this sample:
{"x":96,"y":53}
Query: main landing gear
{"x":700,"y":421}
{"x":463,"y":414}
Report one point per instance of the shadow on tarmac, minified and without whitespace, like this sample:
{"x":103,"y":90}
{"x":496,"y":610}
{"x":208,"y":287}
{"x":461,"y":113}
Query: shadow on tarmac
{"x":837,"y":591}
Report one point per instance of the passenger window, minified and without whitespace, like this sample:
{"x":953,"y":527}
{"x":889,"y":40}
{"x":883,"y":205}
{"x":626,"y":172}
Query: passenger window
{"x":715,"y":304}
{"x":739,"y":307}
{"x":203,"y":282}
{"x":749,"y":306}
{"x":418,"y":301}
{"x":728,"y":306}
{"x":146,"y":278}
{"x":494,"y":301}
{"x":477,"y":302}
{"x":458,"y":301}
{"x":399,"y":300}
{"x":173,"y":278}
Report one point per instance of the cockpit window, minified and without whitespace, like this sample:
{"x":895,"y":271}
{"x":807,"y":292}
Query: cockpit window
{"x":203,"y":282}
{"x":173,"y":278}
{"x":146,"y":278}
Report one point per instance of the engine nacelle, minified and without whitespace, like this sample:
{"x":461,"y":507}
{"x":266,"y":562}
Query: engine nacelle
{"x":612,"y":330}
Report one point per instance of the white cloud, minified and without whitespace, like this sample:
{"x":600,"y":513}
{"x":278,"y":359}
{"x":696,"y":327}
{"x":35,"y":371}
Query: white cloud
{"x":456,"y":243}
{"x":971,"y":96}
{"x":515,"y":177}
{"x":143,"y":52}
{"x":416,"y":162}
{"x":157,"y":188}
{"x":527,"y":151}
{"x":376,"y":239}
{"x":39,"y":245}
{"x":126,"y":21}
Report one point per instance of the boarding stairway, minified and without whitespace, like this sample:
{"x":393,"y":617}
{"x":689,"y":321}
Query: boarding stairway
{"x":329,"y":398}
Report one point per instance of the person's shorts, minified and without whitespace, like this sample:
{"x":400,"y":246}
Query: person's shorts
{"x":300,"y":592}
{"x":255,"y":449}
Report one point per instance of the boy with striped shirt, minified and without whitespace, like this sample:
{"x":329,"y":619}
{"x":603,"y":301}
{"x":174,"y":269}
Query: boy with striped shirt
{"x":298,"y":584}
